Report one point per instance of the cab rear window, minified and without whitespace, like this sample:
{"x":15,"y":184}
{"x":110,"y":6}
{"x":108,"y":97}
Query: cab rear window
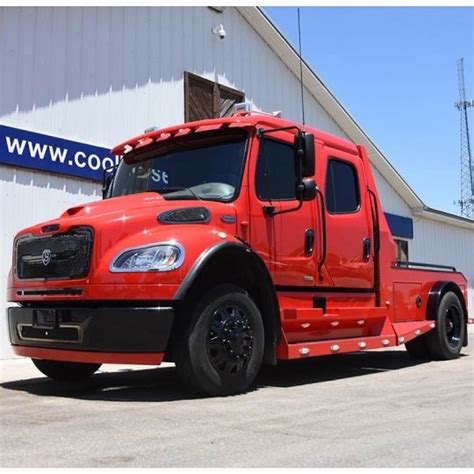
{"x":342,"y":190}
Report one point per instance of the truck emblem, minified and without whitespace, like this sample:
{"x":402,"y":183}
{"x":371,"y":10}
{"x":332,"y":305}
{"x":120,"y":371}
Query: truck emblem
{"x":46,"y":257}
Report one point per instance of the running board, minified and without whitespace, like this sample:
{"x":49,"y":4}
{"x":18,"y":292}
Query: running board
{"x":407,"y":331}
{"x":298,"y":320}
{"x":392,"y":335}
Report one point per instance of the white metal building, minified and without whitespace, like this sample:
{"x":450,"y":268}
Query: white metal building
{"x":83,"y":79}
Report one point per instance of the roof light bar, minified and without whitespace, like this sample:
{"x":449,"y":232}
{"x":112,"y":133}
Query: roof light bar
{"x":154,"y":128}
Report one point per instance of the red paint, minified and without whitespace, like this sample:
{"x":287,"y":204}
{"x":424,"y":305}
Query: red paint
{"x":351,"y":317}
{"x":90,"y":357}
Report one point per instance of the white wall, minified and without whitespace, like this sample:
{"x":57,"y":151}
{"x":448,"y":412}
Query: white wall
{"x":444,"y":244}
{"x":27,"y":197}
{"x":100,"y":75}
{"x":392,"y":201}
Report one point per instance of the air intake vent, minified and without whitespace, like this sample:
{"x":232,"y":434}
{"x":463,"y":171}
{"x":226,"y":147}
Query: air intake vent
{"x":50,"y":228}
{"x":188,"y":215}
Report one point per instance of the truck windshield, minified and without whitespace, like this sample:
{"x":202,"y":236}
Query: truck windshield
{"x":200,"y":166}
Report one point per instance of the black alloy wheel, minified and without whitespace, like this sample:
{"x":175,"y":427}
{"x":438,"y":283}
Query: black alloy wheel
{"x":230,"y":339}
{"x":453,"y":326}
{"x":218,"y":349}
{"x":446,"y":340}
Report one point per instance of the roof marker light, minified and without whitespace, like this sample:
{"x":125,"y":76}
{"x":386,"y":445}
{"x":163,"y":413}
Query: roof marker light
{"x":243,"y":107}
{"x":248,"y":108}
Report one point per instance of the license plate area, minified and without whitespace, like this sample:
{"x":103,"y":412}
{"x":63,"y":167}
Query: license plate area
{"x":45,"y":318}
{"x":66,"y":333}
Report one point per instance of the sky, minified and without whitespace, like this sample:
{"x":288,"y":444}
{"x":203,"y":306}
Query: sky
{"x":395,"y":72}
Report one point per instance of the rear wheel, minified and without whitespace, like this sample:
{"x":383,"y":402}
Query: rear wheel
{"x":446,"y":340}
{"x":59,"y":370}
{"x":221,"y":347}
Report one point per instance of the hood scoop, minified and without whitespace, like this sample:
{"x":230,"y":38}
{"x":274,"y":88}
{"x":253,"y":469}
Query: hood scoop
{"x":72,"y":211}
{"x":186,"y":215}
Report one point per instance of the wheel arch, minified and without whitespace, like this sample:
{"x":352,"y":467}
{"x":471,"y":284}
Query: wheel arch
{"x":438,"y":290}
{"x":235,"y":263}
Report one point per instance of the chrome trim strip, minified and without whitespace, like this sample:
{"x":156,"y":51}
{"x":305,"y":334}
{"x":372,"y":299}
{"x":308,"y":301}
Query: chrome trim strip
{"x":53,"y":291}
{"x":20,"y":326}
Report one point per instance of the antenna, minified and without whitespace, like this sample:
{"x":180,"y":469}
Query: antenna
{"x":467,"y":170}
{"x":301,"y":65}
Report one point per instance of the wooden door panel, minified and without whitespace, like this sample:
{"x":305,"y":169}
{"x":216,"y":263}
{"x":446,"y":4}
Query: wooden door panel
{"x":206,"y":99}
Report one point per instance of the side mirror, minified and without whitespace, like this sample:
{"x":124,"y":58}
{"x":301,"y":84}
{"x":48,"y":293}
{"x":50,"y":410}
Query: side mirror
{"x":107,"y":181}
{"x":305,"y":153}
{"x":306,"y":190}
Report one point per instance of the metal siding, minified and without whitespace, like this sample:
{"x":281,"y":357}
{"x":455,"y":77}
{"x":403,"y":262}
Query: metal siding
{"x":90,"y":73}
{"x":444,"y":244}
{"x":102,"y":74}
{"x":392,"y":201}
{"x":28,"y":197}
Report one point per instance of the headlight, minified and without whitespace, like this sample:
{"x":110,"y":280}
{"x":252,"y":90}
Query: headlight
{"x":158,"y":258}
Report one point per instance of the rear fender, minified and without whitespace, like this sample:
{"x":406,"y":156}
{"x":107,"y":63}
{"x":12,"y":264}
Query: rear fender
{"x":437,"y":292}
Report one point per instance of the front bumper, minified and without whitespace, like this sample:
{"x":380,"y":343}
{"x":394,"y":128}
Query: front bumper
{"x":108,"y":330}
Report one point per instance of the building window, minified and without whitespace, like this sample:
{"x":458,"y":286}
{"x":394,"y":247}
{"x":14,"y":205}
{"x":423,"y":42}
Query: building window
{"x":204,"y":99}
{"x":402,"y":250}
{"x":275,"y":175}
{"x":342,"y":190}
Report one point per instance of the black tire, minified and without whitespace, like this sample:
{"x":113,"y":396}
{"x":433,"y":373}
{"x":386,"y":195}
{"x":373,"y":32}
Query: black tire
{"x":220,"y":348}
{"x":59,"y":370}
{"x":446,"y":340}
{"x":417,"y":348}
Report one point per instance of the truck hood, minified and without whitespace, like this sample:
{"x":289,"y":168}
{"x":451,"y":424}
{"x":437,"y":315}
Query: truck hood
{"x":120,"y":218}
{"x":133,"y":210}
{"x":133,"y":221}
{"x":119,"y":204}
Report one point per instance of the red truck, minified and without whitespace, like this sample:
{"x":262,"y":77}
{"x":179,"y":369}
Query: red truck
{"x":221,"y":245}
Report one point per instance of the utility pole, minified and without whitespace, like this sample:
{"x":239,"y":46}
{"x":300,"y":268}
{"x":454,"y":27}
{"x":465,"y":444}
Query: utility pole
{"x":467,"y":170}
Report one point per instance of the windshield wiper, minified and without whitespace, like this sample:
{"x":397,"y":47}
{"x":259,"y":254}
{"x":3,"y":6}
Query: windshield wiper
{"x":176,"y":189}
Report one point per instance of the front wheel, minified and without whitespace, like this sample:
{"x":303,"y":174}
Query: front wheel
{"x":221,"y":348}
{"x":59,"y":370}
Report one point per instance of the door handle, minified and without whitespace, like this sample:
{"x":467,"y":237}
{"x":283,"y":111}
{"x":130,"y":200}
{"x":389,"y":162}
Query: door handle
{"x":308,"y":241}
{"x":366,"y":246}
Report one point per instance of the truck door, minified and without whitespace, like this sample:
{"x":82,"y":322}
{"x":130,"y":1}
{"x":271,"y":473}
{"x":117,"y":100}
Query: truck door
{"x":286,"y":241}
{"x":349,"y":236}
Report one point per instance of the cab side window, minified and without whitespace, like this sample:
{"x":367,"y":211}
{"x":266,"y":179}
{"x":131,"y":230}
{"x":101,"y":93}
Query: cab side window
{"x":342,"y":190}
{"x":275,"y":174}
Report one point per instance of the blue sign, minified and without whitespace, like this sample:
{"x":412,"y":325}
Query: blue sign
{"x":22,"y":148}
{"x":400,"y":226}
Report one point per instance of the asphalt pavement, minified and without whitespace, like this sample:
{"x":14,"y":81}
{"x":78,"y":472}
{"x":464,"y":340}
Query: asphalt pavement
{"x":370,"y":409}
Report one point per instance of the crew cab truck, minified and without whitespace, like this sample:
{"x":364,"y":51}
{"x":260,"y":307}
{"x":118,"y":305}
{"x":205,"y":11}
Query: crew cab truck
{"x":221,"y":245}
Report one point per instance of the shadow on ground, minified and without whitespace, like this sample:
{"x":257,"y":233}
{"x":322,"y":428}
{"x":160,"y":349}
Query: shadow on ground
{"x":162,"y":384}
